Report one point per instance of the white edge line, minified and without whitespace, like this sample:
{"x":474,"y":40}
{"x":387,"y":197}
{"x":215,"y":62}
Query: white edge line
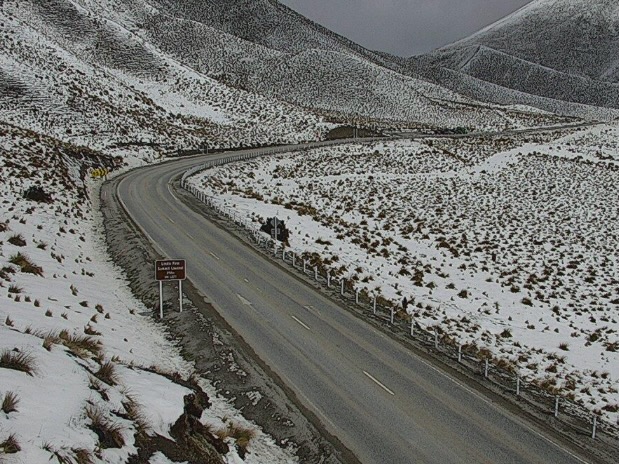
{"x":304,"y":325}
{"x":380,"y":384}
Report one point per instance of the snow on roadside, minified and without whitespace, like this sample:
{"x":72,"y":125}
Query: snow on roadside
{"x":506,"y":244}
{"x":80,"y":357}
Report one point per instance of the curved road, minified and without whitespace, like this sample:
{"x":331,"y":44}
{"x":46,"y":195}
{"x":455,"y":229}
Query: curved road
{"x":382,"y":401}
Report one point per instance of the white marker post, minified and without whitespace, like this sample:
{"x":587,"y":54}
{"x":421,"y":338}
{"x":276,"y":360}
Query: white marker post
{"x":160,"y":299}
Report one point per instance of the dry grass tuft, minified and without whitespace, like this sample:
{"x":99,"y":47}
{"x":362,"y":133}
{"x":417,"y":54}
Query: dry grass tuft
{"x":109,"y":433}
{"x":10,"y":402}
{"x":17,"y":240}
{"x":8,"y":321}
{"x":135,"y":412}
{"x":10,"y":445}
{"x":18,"y":361}
{"x":241,"y":434}
{"x":80,"y":345}
{"x":25,"y":264}
{"x":107,"y":373}
{"x":66,"y":455}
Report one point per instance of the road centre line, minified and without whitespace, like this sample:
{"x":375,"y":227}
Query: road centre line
{"x":302,"y":324}
{"x":380,"y":384}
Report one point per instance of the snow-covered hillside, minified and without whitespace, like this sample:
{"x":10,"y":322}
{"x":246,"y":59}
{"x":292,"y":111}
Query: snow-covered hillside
{"x":504,"y":243}
{"x":83,"y":79}
{"x":152,"y":74}
{"x":559,"y":49}
{"x":85,"y":374}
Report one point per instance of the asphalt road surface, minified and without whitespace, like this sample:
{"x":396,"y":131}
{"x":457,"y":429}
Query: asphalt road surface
{"x":382,"y":401}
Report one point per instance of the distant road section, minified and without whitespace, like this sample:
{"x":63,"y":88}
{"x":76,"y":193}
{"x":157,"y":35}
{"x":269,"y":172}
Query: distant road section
{"x":383,"y":402}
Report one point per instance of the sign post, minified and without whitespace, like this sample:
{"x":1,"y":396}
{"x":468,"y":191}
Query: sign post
{"x":167,"y":270}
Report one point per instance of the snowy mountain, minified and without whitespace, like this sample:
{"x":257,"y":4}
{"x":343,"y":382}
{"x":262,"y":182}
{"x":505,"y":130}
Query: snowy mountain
{"x":162,"y":76}
{"x":564,"y":50}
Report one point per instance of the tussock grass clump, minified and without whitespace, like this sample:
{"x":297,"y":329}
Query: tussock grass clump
{"x":66,"y":455}
{"x":9,"y":402}
{"x":242,"y":435}
{"x":25,"y":264}
{"x":10,"y":445}
{"x":80,"y":345}
{"x":15,"y":289}
{"x":135,"y":412}
{"x":18,"y":361}
{"x":9,"y":322}
{"x":107,"y":373}
{"x":110,"y":434}
{"x":17,"y":240}
{"x":88,"y":330}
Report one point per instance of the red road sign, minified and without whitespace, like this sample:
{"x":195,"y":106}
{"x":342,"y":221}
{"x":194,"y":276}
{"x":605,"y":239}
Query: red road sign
{"x":170,"y":269}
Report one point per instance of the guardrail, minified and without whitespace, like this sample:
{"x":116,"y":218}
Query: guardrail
{"x":499,"y":373}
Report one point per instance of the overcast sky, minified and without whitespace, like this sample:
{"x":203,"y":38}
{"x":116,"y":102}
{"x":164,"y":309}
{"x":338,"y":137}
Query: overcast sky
{"x":404,"y":27}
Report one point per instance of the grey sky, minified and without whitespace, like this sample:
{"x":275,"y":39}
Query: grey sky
{"x":404,"y":27}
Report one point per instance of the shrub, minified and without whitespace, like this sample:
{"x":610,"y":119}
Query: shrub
{"x":8,"y":321}
{"x":38,"y":194}
{"x":527,"y":301}
{"x":18,"y":360}
{"x":564,"y":346}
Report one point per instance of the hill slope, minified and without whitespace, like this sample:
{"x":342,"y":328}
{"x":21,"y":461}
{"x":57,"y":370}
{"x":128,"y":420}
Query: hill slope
{"x":559,"y":49}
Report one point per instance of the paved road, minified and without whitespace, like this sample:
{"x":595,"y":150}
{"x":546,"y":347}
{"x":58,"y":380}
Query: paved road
{"x":383,"y":402}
